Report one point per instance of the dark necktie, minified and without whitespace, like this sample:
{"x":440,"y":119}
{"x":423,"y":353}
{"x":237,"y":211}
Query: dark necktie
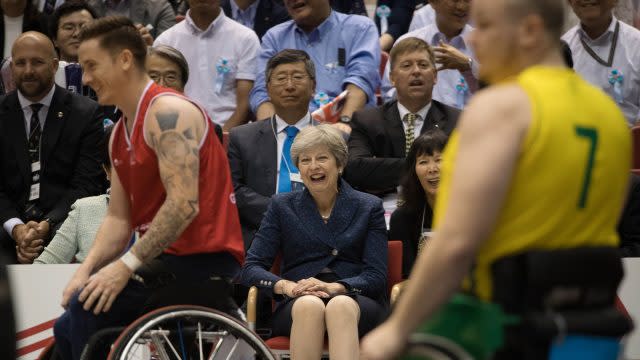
{"x":35,"y":133}
{"x":49,"y":7}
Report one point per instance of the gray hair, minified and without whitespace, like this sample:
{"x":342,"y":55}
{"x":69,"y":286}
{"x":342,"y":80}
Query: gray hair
{"x":291,"y":56}
{"x":175,"y":56}
{"x":321,"y":135}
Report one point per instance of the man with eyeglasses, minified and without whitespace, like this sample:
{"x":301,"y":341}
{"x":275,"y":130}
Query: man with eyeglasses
{"x":66,"y":23}
{"x":457,"y":79}
{"x":259,"y":152}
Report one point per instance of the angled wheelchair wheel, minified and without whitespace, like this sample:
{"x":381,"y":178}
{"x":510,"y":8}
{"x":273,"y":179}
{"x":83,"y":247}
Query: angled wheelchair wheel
{"x":188,"y":332}
{"x":432,"y":347}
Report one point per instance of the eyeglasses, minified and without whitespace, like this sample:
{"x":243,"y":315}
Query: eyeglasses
{"x":282,"y":79}
{"x":167,"y":78}
{"x":69,"y":27}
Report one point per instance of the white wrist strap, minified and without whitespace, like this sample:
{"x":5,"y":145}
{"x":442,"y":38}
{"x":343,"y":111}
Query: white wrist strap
{"x":131,"y":261}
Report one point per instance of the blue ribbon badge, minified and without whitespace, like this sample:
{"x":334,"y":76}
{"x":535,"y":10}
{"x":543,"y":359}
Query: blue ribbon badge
{"x":222,"y":67}
{"x":383,"y":12}
{"x":321,"y":98}
{"x":462,"y":89}
{"x":616,"y":78}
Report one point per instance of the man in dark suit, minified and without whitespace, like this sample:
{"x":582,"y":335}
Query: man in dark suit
{"x":259,"y":15}
{"x":258,"y":155}
{"x":49,"y":155}
{"x":381,"y":137}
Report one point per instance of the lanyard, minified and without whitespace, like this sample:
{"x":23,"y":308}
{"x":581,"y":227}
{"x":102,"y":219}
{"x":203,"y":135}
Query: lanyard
{"x":612,"y":50}
{"x":275,"y":135}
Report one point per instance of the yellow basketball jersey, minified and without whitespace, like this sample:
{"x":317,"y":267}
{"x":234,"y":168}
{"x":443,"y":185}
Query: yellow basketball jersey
{"x":570,"y":179}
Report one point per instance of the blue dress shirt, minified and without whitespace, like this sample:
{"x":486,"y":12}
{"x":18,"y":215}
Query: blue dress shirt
{"x":357,"y":35}
{"x":245,"y":17}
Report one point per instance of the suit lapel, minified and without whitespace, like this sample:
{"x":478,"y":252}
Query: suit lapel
{"x":14,"y":117}
{"x":343,"y":211}
{"x":396,"y":130}
{"x":311,"y":222}
{"x":56,"y":116}
{"x":434,"y":118}
{"x":267,"y":153}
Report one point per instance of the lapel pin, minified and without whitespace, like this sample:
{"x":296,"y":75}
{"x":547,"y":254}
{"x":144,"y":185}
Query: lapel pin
{"x":60,"y":115}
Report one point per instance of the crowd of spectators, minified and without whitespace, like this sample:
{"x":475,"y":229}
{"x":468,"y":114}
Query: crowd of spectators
{"x":307,"y":192}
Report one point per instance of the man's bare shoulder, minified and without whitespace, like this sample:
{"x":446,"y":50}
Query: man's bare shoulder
{"x":504,"y":106}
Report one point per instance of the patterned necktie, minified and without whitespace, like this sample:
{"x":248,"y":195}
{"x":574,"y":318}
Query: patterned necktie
{"x":286,"y":165}
{"x":35,"y":132}
{"x":409,"y":135}
{"x":49,"y":7}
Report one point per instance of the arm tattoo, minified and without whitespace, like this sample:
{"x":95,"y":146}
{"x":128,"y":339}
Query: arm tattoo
{"x":178,"y":161}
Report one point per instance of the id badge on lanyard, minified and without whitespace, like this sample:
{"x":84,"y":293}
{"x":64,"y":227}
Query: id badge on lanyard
{"x":34,"y":192}
{"x":296,"y":182}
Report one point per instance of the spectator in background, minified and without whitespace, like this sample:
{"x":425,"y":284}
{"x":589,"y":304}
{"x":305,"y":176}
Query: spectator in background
{"x":381,"y":137}
{"x":16,"y":17}
{"x":258,"y":15}
{"x":333,"y":244}
{"x":398,"y":17}
{"x":167,"y":67}
{"x":67,"y":20}
{"x":456,"y":66}
{"x":423,"y":16}
{"x":352,"y":7}
{"x":629,"y":226}
{"x":222,"y":57}
{"x":344,"y":48}
{"x":44,"y":169}
{"x":76,"y":235}
{"x":259,"y":153}
{"x":157,"y":13}
{"x":412,"y":221}
{"x":606,"y":52}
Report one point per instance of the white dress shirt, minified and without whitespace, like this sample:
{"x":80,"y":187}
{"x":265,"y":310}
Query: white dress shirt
{"x":444,"y":90}
{"x":281,"y":125}
{"x":423,"y":17}
{"x":25,"y":104}
{"x":626,"y":60}
{"x":203,"y":49}
{"x":12,"y":29}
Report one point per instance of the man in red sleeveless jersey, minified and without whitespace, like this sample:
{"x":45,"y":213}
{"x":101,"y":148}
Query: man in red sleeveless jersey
{"x":171,"y":184}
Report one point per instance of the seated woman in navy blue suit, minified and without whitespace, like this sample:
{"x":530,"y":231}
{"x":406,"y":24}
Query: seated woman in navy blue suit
{"x":333,"y":244}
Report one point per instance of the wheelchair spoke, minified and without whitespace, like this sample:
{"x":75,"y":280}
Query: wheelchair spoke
{"x":216,"y":349}
{"x":158,"y":344}
{"x":175,"y":352}
{"x":233,"y":349}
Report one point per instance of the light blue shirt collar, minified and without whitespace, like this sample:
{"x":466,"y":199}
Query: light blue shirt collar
{"x":245,"y":17}
{"x":457,"y":41}
{"x":324,"y":28}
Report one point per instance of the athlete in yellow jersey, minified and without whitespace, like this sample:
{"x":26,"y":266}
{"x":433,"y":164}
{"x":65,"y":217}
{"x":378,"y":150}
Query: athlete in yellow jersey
{"x":540,"y":160}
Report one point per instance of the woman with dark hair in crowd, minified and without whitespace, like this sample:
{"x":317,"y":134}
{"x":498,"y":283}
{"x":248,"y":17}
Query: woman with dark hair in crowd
{"x":411,"y":222}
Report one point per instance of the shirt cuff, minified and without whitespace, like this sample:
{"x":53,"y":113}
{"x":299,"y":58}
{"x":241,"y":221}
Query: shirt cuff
{"x":10,"y":224}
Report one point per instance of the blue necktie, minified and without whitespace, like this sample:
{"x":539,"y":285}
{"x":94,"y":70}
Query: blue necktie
{"x":284,"y":182}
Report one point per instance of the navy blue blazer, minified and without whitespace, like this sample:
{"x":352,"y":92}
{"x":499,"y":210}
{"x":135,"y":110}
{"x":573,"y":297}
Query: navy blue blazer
{"x":353,"y":243}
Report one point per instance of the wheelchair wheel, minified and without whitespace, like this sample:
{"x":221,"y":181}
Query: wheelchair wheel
{"x":433,"y":347}
{"x":188,"y":332}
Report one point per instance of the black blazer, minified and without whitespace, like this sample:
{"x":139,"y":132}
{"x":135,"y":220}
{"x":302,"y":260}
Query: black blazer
{"x":377,"y":144}
{"x":268,"y":14}
{"x":406,"y":226}
{"x":400,"y":18}
{"x":252,"y":152}
{"x":71,"y":155}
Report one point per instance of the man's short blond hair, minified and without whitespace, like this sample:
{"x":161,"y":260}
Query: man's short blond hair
{"x":410,"y":45}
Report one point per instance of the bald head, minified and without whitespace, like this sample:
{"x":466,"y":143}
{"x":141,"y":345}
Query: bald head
{"x":34,"y":39}
{"x":551,"y":12}
{"x":33,"y":64}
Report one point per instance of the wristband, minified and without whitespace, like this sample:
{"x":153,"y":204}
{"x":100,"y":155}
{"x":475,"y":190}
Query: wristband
{"x":131,"y":261}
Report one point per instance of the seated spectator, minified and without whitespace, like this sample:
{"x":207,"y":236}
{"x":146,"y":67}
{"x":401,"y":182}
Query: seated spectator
{"x":423,"y":16}
{"x":411,"y":222}
{"x":35,"y":200}
{"x":344,"y":49}
{"x":259,"y":153}
{"x":16,"y":17}
{"x":167,"y":67}
{"x":66,"y":22}
{"x":222,"y":57}
{"x":258,"y":15}
{"x":629,"y":226}
{"x":606,"y":52}
{"x":381,"y":137}
{"x":157,"y":13}
{"x":352,"y":7}
{"x":457,"y":79}
{"x":398,"y":15}
{"x":333,"y":245}
{"x":77,"y":233}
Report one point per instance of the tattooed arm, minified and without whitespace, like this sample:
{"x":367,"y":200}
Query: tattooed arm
{"x":173,"y":128}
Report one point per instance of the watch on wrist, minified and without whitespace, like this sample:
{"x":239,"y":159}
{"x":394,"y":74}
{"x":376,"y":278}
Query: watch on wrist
{"x":345,"y":119}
